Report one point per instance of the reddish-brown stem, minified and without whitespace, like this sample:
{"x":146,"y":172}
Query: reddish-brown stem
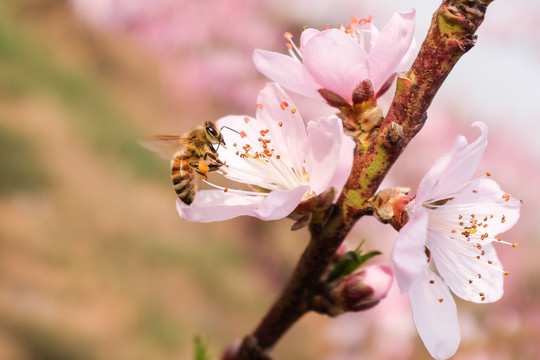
{"x":451,"y":35}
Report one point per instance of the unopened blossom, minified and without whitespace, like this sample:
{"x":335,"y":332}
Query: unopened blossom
{"x":340,"y":59}
{"x":448,"y":243}
{"x":362,"y":289}
{"x":275,"y":160}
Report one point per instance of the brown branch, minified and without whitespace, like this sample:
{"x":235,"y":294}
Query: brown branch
{"x":451,"y":35}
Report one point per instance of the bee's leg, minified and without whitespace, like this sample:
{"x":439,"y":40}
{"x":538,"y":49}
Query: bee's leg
{"x":213,"y":167}
{"x":201,"y":171}
{"x":213,"y":157}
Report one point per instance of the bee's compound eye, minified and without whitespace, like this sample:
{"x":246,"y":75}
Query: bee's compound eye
{"x":212,"y":131}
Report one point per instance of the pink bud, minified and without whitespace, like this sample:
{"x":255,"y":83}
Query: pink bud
{"x":362,"y":290}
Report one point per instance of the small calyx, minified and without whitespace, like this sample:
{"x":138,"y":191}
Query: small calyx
{"x":362,"y":116}
{"x":313,"y":209}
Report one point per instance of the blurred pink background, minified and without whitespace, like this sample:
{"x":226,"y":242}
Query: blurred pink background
{"x":95,"y":262}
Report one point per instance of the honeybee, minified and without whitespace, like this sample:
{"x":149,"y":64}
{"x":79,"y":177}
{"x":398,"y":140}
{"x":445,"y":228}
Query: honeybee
{"x":191,"y":154}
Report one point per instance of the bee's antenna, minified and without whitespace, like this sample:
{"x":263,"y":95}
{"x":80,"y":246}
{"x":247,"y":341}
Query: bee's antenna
{"x":226,"y":127}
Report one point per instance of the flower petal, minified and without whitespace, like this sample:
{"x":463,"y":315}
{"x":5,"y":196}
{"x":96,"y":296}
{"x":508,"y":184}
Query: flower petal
{"x":408,"y":254}
{"x":497,"y":211}
{"x":462,"y":165}
{"x":436,"y":320}
{"x":344,"y":167}
{"x":216,"y":205}
{"x":290,"y":73}
{"x":471,"y":278}
{"x":335,"y":61}
{"x":306,"y":36}
{"x":432,"y":177}
{"x":324,"y":147}
{"x":287,"y":129}
{"x":390,"y":47}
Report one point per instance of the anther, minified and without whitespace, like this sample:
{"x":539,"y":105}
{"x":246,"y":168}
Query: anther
{"x":506,"y":197}
{"x":441,"y":300}
{"x":246,"y":119}
{"x":514,"y":244}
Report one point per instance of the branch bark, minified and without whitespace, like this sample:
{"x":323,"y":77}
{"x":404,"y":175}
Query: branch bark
{"x":451,"y":34}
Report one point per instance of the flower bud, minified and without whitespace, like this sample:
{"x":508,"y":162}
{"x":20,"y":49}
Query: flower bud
{"x":361,"y":290}
{"x":390,"y":206}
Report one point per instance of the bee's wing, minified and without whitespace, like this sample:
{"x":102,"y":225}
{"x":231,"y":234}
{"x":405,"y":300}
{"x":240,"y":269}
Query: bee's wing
{"x":164,"y":145}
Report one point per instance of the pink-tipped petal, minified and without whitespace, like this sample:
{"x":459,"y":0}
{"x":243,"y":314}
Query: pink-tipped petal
{"x":435,"y":315}
{"x":324,"y":146}
{"x":391,"y":46}
{"x":335,"y":61}
{"x":408,"y":254}
{"x":216,"y":205}
{"x":290,"y":73}
{"x":306,"y":36}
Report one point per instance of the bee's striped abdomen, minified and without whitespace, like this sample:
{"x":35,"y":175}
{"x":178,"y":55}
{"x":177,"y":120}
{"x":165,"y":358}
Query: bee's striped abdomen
{"x":183,"y":178}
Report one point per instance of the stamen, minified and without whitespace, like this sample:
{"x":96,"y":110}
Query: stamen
{"x":227,"y":190}
{"x":291,"y":46}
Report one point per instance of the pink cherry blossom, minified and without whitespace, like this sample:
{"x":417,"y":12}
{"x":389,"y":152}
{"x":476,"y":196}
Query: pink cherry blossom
{"x":280,"y":159}
{"x":447,"y":243}
{"x":339,"y":59}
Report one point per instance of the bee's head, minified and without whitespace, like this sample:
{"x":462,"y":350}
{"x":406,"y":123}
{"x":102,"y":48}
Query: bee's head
{"x":213,"y":135}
